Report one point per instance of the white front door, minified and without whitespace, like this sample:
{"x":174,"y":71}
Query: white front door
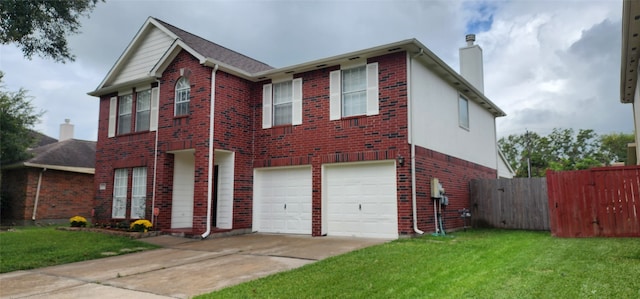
{"x":282,"y":200}
{"x":183,"y":181}
{"x":361,"y":199}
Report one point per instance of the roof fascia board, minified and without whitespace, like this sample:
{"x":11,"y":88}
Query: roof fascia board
{"x":337,"y":59}
{"x":170,"y":54}
{"x":117,"y":87}
{"x":628,"y":78}
{"x":62,"y":168}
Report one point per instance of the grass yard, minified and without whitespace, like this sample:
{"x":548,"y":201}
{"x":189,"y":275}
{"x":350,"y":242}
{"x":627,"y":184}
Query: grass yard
{"x":34,"y":247}
{"x":473,"y":264}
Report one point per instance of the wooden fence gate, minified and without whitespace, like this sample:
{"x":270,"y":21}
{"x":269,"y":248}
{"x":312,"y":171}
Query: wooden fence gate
{"x":602,"y":202}
{"x":519,"y":203}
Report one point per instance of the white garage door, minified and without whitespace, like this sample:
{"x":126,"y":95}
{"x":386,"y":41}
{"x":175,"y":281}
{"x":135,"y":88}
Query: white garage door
{"x":282,"y":200}
{"x":361,"y":200}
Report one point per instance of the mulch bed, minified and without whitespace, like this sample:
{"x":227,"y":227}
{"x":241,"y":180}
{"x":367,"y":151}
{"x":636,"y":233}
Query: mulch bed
{"x":114,"y":232}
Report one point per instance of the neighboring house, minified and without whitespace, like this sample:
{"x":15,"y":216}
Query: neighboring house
{"x":55,"y":184}
{"x":211,"y":139}
{"x":629,"y":77}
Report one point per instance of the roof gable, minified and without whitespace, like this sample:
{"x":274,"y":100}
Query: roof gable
{"x":156,"y":44}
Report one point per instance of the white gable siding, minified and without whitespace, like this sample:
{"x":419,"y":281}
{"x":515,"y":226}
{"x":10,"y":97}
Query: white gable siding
{"x":436,"y":120}
{"x":144,"y":57}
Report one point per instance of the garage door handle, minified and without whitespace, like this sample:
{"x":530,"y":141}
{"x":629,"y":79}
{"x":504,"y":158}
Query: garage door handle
{"x":285,"y":206}
{"x":360,"y":207}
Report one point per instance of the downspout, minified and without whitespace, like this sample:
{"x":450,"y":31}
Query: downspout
{"x":35,"y":204}
{"x":414,"y":200}
{"x":210,"y":176}
{"x":155,"y":166}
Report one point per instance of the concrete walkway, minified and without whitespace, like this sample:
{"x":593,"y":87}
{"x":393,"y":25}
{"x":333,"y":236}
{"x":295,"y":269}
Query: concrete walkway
{"x":183,"y":268}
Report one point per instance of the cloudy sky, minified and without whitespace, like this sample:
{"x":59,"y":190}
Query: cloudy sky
{"x":547,"y":63}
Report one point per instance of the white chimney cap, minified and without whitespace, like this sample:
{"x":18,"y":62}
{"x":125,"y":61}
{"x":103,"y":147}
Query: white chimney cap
{"x":470,"y":38}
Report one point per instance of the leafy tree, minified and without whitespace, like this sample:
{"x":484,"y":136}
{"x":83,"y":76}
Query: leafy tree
{"x":614,"y":146}
{"x":41,"y":26}
{"x":17,"y":117}
{"x":562,"y":149}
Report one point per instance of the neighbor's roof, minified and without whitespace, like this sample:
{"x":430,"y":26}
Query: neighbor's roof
{"x":70,"y":155}
{"x":630,"y":50}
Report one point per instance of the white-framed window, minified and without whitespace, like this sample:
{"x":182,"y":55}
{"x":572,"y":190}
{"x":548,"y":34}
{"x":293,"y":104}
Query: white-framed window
{"x":139,"y":193}
{"x":120,"y":180}
{"x":463,"y":112}
{"x":143,"y":110}
{"x":354,"y":91}
{"x":282,"y":103}
{"x":124,"y":114}
{"x":183,"y":93}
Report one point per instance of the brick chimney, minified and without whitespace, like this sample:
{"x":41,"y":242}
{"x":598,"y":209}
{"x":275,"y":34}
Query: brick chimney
{"x":66,"y":130}
{"x":471,"y":66}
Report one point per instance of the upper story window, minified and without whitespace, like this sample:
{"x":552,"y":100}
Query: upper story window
{"x":134,"y":111}
{"x":124,"y":114}
{"x":282,"y":102}
{"x":143,"y":110}
{"x":354,"y":91}
{"x":463,"y":113}
{"x":183,"y":93}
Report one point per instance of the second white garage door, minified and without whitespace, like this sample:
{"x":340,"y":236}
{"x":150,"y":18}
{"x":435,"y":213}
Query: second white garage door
{"x":361,"y":199}
{"x":282,"y":200}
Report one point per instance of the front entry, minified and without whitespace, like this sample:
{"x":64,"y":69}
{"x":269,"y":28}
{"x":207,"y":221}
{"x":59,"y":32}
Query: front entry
{"x":183,"y":182}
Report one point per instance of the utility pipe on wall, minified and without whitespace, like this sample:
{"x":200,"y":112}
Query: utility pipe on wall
{"x":210,"y":176}
{"x":414,"y":200}
{"x":35,"y":203}
{"x":155,"y":166}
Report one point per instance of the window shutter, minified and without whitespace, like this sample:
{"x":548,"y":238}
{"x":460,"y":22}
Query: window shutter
{"x":296,"y":118}
{"x":267,"y":94}
{"x":153,"y":113}
{"x":335,"y":95}
{"x":113,"y":111}
{"x":372,"y":89}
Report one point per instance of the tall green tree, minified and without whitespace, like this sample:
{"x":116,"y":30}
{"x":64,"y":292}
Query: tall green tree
{"x":614,"y":146}
{"x":17,"y":118}
{"x":562,"y":149}
{"x":42,"y":26}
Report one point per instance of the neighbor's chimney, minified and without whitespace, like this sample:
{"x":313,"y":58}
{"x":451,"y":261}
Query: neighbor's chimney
{"x":471,"y":63}
{"x":66,"y":130}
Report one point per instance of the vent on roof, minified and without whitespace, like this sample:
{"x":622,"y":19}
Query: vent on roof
{"x":289,"y":72}
{"x":321,"y":65}
{"x":394,"y":49}
{"x":354,"y":58}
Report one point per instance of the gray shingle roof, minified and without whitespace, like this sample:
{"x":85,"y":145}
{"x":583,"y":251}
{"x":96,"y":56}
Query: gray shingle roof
{"x":71,"y":153}
{"x":217,"y":52}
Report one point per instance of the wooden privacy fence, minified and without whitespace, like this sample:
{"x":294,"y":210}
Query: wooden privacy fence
{"x":602,"y":202}
{"x":519,"y":203}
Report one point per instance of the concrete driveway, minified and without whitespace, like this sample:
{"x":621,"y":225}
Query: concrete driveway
{"x":181,"y":269}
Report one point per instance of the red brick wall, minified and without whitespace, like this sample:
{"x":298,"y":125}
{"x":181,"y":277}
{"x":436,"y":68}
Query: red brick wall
{"x":454,"y":175}
{"x":233,"y":119}
{"x":62,"y":194}
{"x":319,"y":140}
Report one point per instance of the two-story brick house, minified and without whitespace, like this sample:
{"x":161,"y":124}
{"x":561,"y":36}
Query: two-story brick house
{"x":345,"y":145}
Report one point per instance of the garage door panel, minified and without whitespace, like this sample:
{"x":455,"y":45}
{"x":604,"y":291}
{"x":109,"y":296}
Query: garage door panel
{"x":283,"y":198}
{"x":361,"y":200}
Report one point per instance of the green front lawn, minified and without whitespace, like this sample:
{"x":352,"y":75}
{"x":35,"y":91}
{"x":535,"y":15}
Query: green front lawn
{"x":473,"y":264}
{"x":34,"y":247}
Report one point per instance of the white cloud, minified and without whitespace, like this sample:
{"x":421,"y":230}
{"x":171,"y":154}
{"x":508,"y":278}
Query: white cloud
{"x":547,"y":63}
